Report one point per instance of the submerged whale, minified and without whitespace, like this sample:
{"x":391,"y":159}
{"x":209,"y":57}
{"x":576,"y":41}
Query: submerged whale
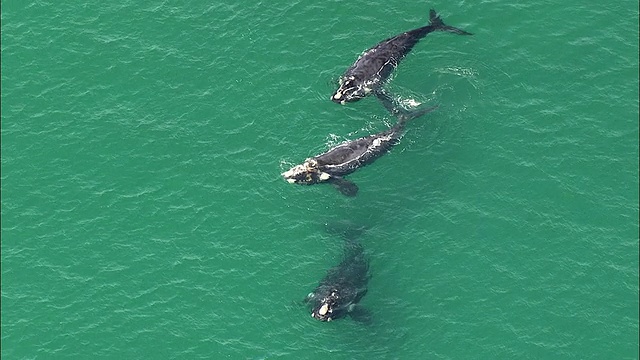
{"x":331,"y":166}
{"x":344,"y":285}
{"x":375,"y":65}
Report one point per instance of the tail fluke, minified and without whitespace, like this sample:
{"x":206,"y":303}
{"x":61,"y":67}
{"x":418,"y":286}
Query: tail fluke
{"x":410,"y":115}
{"x":437,"y":24}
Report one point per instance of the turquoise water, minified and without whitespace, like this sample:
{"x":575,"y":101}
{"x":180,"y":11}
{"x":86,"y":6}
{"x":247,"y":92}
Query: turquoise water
{"x":144,"y":216}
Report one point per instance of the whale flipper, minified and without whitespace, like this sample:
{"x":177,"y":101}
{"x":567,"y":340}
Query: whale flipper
{"x":346,"y":187}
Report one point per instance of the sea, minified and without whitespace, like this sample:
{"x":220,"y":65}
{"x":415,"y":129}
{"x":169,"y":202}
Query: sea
{"x":144,"y":215}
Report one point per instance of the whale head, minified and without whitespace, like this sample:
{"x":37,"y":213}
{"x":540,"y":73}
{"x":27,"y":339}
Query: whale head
{"x":306,"y":173}
{"x":327,"y":307}
{"x":350,"y":90}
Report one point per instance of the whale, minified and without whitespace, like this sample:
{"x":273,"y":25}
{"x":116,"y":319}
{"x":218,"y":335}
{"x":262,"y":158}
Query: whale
{"x":344,"y":285}
{"x":331,"y":166}
{"x":375,"y":65}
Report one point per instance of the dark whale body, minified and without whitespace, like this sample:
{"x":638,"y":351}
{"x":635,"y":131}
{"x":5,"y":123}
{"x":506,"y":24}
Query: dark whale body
{"x":344,"y":285}
{"x":349,"y":156}
{"x":375,"y":65}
